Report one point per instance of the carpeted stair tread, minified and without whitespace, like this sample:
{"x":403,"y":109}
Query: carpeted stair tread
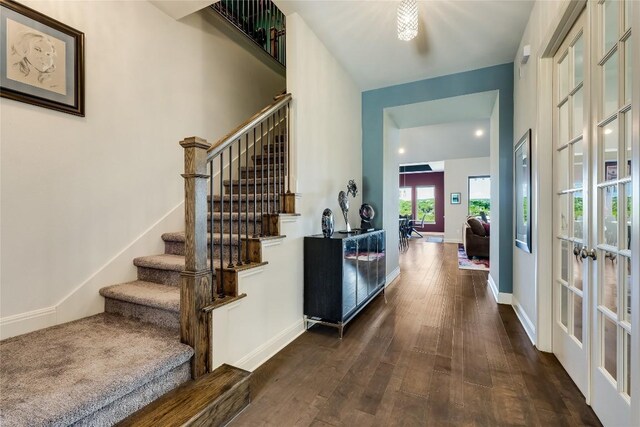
{"x":145,"y":293}
{"x":62,"y":374}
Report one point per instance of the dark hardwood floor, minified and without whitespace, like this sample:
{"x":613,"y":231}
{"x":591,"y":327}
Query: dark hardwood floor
{"x":439,"y":352}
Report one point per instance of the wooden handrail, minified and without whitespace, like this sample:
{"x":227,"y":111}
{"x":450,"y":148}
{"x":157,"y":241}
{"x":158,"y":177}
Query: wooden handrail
{"x":249,"y":124}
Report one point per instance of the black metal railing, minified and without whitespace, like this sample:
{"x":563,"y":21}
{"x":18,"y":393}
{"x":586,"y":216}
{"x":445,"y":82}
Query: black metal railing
{"x":241,"y":181}
{"x":261,"y":21}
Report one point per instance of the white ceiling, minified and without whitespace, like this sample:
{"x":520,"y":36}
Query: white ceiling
{"x":445,"y":141}
{"x":453,"y":36}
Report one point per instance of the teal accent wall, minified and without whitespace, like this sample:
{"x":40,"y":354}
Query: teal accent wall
{"x":500,"y":78}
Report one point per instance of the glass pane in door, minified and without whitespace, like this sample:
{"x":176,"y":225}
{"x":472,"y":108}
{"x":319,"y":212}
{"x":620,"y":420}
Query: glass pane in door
{"x":578,"y":215}
{"x":609,"y":281}
{"x":578,"y":164}
{"x":577,"y":102}
{"x":564,"y":306}
{"x":627,"y":143}
{"x":610,"y":347}
{"x":610,"y":215}
{"x":627,"y":70}
{"x":577,"y":317}
{"x":627,"y":230}
{"x":610,"y":150}
{"x":610,"y":25}
{"x":610,"y":86}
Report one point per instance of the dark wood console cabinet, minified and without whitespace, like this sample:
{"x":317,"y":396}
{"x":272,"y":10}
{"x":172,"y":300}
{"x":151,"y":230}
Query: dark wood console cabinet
{"x":342,"y":274}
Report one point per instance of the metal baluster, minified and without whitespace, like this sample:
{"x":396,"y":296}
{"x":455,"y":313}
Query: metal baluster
{"x":255,"y":187}
{"x":230,"y":265}
{"x":239,"y":200}
{"x":268,"y":174}
{"x":288,"y":151}
{"x":275,"y":181}
{"x":211,"y":242}
{"x":246,"y":202}
{"x":221,"y":289}
{"x":261,"y":177}
{"x":280,"y":144}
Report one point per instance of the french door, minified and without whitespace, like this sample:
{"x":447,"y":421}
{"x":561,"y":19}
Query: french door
{"x":611,"y":127}
{"x":593,"y":207}
{"x":572,"y":199}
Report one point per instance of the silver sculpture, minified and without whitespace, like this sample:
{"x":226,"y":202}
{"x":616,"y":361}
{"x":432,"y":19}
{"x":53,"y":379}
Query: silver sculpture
{"x":328,"y":223}
{"x":366,"y":215}
{"x":343,"y":201}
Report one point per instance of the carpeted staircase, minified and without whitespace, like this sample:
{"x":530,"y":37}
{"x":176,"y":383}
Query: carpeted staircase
{"x":101,"y":369}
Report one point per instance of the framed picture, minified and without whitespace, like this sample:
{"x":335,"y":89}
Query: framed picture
{"x":42,"y":60}
{"x":611,"y":171}
{"x":522,"y":191}
{"x":455,"y":198}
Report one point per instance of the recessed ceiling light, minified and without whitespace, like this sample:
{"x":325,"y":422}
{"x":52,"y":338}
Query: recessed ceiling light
{"x":608,"y":131}
{"x":401,"y":150}
{"x":479,"y":132}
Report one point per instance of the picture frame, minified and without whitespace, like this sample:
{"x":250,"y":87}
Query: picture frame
{"x":455,"y":198}
{"x":43,"y":60}
{"x":611,"y":171}
{"x":522,"y":192}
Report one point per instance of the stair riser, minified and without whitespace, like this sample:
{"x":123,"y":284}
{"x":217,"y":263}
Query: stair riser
{"x":258,"y":205}
{"x":249,"y":173}
{"x":138,"y":398}
{"x":165,"y":277}
{"x":273,"y":161}
{"x":272,"y":188}
{"x":275,"y":148}
{"x":178,"y":248}
{"x":244,"y":227}
{"x":157,"y":316}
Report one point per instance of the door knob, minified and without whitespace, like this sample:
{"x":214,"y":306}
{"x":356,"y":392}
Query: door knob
{"x":588,"y":253}
{"x":576,"y":250}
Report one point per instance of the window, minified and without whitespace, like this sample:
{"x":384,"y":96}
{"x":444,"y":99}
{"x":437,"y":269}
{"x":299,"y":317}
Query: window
{"x":480,"y":195}
{"x":426,"y":204}
{"x":405,"y":201}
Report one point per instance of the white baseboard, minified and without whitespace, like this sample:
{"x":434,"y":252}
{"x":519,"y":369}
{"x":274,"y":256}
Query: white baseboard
{"x":501,"y":297}
{"x":266,"y":351}
{"x":18,"y":324}
{"x":84,"y":300}
{"x":392,"y":276}
{"x":527,"y":324}
{"x":452,"y":241}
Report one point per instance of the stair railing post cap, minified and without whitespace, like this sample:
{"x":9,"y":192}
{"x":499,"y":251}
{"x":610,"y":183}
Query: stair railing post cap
{"x":195,"y":141}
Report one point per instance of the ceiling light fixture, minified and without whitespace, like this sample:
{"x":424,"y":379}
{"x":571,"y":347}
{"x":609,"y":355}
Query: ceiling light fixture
{"x":479,"y":132}
{"x":407,"y":20}
{"x":401,"y":151}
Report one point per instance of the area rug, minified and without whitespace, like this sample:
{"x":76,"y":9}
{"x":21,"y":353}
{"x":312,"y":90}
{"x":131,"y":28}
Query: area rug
{"x":464,"y":263}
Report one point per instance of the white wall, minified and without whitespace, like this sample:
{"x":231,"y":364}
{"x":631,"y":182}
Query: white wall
{"x":326,"y":153}
{"x":326,"y":125}
{"x":494,"y":239}
{"x":76,"y":192}
{"x":456,"y":180}
{"x":531,"y":84}
{"x":391,"y":192}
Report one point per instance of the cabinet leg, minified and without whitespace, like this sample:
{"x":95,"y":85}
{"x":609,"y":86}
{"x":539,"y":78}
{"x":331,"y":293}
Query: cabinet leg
{"x":384,"y":294}
{"x":340,"y":329}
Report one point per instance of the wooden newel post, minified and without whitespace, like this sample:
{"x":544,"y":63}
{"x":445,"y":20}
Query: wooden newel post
{"x":195,"y":291}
